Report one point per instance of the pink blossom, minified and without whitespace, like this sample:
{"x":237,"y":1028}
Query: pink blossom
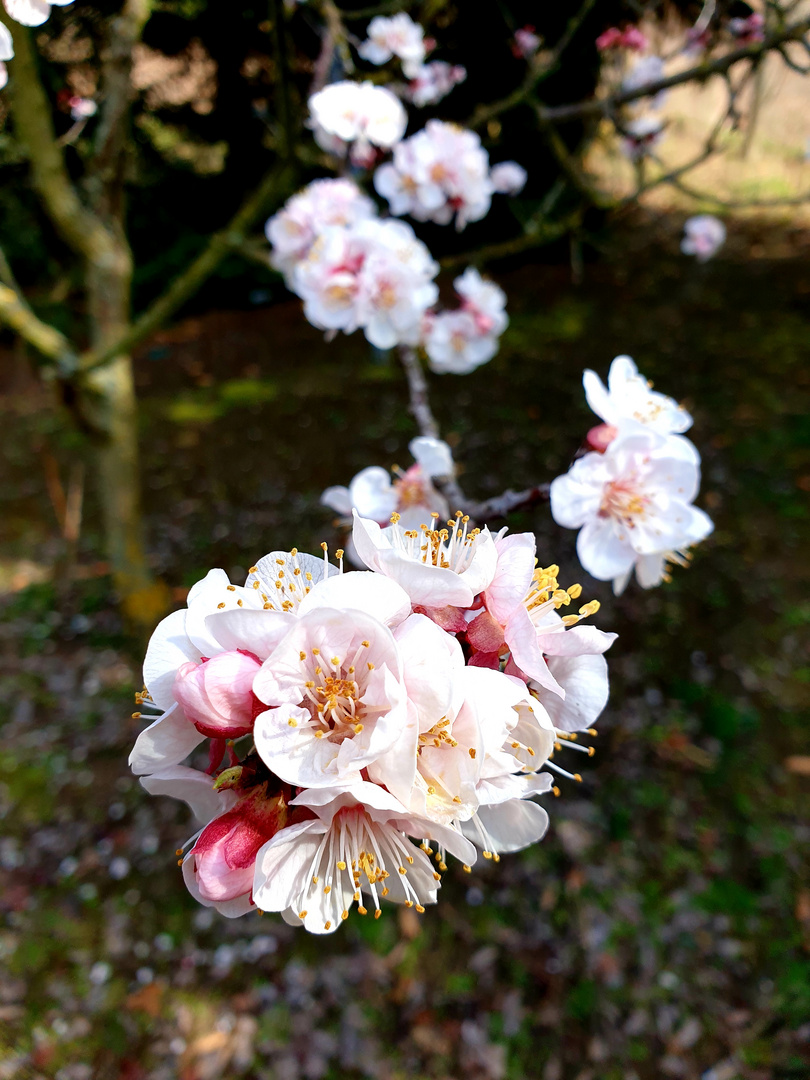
{"x":224,"y":856}
{"x":217,"y":694}
{"x":630,"y":38}
{"x":747,"y":31}
{"x":526,"y":42}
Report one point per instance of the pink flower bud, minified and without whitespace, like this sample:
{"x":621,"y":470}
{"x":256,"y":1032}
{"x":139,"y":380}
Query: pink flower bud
{"x":225,"y":852}
{"x":217,"y":694}
{"x":600,"y":437}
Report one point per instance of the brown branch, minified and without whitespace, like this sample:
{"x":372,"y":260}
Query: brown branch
{"x":608,"y":105}
{"x":538,"y":71}
{"x":78,"y":226}
{"x":276,"y":183}
{"x":48,"y":341}
{"x":502,"y":505}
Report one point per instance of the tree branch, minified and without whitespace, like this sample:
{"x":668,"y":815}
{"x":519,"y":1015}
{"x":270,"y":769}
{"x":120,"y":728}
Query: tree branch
{"x":77,"y":225}
{"x":608,"y":105}
{"x":48,"y":341}
{"x":226,"y":240}
{"x":502,"y":505}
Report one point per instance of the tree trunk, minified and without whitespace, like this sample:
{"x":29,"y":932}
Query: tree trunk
{"x":112,"y":406}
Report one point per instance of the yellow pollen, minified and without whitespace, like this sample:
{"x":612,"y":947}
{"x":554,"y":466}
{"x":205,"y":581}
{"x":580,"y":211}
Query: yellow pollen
{"x":292,"y":723}
{"x":220,"y":607}
{"x":302,"y":914}
{"x":327,"y":925}
{"x":341,"y":865}
{"x":472,"y":753}
{"x":253,"y":570}
{"x":231,"y":588}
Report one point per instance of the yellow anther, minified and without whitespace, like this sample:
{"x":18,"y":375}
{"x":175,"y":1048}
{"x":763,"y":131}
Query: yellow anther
{"x":592,"y":732}
{"x":555,"y":791}
{"x":327,"y":925}
{"x":339,"y":553}
{"x":420,"y":909}
{"x":365,"y":644}
{"x":318,"y":734}
{"x":358,"y":728}
{"x":231,"y":588}
{"x":341,"y":865}
{"x":268,"y":606}
{"x":456,"y":799}
{"x":344,"y":914}
{"x":302,"y":914}
{"x":220,"y":607}
{"x":574,"y":591}
{"x":316,"y":652}
{"x":467,"y":869}
{"x":370,"y":666}
{"x":394,"y":518}
{"x":377,"y":913}
{"x":314,"y":881}
{"x":591,"y":751}
{"x":385,"y":892}
{"x":402,"y":870}
{"x":253,"y":570}
{"x":292,"y":723}
{"x":472,"y":753}
{"x":324,"y":546}
{"x":578,"y":778}
{"x":362,"y":910}
{"x":136,"y":716}
{"x":487,"y":854}
{"x":327,"y":889}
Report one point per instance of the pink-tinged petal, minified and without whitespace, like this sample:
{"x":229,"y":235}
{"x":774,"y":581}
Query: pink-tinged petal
{"x":217,"y":694}
{"x":368,"y":540}
{"x":485,"y":634}
{"x":448,"y":618}
{"x":576,"y":641}
{"x":521,"y":637}
{"x":231,"y":909}
{"x":192,"y":787}
{"x":585,"y":679}
{"x":513,"y":575}
{"x":485,"y":660}
{"x":603,"y":552}
{"x":600,"y":437}
{"x":168,"y":648}
{"x":360,"y":590}
{"x":167,"y":741}
{"x":258,"y":632}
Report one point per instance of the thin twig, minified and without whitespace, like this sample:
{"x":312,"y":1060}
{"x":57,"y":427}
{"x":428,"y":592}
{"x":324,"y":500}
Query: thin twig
{"x":501,"y":506}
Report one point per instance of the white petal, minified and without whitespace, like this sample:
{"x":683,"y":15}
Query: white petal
{"x":434,"y":456}
{"x":510,"y":826}
{"x":585,"y":680}
{"x":194,"y":788}
{"x":168,"y":648}
{"x":167,"y":741}
{"x":338,"y":499}
{"x":255,"y":631}
{"x":360,"y":590}
{"x":601,"y":551}
{"x":29,"y":12}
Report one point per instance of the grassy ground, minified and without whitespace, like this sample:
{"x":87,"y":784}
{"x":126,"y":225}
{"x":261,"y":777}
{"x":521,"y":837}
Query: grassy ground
{"x":663,"y":926}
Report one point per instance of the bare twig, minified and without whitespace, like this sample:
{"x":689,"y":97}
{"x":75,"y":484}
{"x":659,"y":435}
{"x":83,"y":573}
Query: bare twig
{"x":502,"y":505}
{"x":418,"y":390}
{"x":608,"y":105}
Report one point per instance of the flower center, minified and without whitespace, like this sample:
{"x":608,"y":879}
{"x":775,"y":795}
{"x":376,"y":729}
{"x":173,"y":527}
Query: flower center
{"x":452,"y":548}
{"x":623,"y":500}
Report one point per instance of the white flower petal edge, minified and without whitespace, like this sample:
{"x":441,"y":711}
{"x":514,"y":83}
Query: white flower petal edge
{"x":630,"y":404}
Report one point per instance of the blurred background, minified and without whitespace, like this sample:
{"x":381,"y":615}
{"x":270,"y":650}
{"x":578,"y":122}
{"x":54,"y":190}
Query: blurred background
{"x":662,"y":928}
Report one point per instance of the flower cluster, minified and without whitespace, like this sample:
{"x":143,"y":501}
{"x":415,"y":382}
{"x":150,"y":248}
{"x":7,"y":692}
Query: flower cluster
{"x":442,"y":173}
{"x":399,"y":36}
{"x":460,"y":340}
{"x":353,"y":270}
{"x":631,"y":495}
{"x":359,"y":723}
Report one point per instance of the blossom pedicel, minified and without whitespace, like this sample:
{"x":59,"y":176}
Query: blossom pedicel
{"x":364,"y":726}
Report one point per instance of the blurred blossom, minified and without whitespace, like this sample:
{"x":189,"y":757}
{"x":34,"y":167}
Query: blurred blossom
{"x":750,"y":30}
{"x":396,"y":36}
{"x":630,"y":405}
{"x":322,"y":204}
{"x":434,"y":81}
{"x":630,"y":38}
{"x":460,"y":341}
{"x":526,"y":42}
{"x":31,"y":12}
{"x":375,"y":275}
{"x":439,"y":174}
{"x":645,"y":71}
{"x":641,"y":136}
{"x":6,"y":53}
{"x":705,"y":235}
{"x":82,"y":108}
{"x":508,"y":178}
{"x":360,"y":115}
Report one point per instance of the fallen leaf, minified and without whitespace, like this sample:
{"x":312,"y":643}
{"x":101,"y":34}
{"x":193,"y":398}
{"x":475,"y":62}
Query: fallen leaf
{"x":147,"y":999}
{"x":799,"y":764}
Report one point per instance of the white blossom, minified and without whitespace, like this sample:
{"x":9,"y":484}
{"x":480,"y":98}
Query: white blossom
{"x":358,"y":114}
{"x":460,"y":341}
{"x":375,"y":275}
{"x":705,"y":235}
{"x":439,"y":173}
{"x":644,"y":72}
{"x":630,"y":405}
{"x":397,"y":35}
{"x":633,"y":507}
{"x":31,"y":12}
{"x":641,"y":136}
{"x":321,"y":205}
{"x":429,"y":83}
